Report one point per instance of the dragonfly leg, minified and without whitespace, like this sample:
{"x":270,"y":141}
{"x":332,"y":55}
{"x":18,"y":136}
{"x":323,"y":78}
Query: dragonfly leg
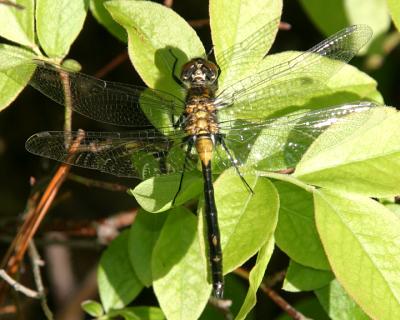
{"x":234,"y":163}
{"x":177,"y":79}
{"x":189,"y":149}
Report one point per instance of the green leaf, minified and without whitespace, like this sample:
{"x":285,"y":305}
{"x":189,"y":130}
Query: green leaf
{"x":256,"y":277}
{"x":362,"y":243}
{"x":338,"y":304}
{"x":117,"y":281}
{"x":58,"y":23}
{"x":18,"y":25}
{"x":296,"y":233}
{"x":143,"y":235}
{"x":179,"y":267}
{"x":246,"y":220}
{"x":349,"y":12}
{"x":157,"y":37}
{"x":231,"y":23}
{"x":92,"y":308}
{"x":104,"y":18}
{"x":10,"y":57}
{"x":138,"y":313}
{"x":366,"y":146}
{"x":394,"y":9}
{"x":156,"y":194}
{"x":153,"y":30}
{"x":394,"y":207}
{"x":309,"y":92}
{"x":302,"y":278}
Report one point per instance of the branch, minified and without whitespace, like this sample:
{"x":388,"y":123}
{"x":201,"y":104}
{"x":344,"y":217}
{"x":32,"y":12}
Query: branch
{"x":19,"y":287}
{"x":12,"y":4}
{"x":37,"y":262}
{"x":35,"y":215}
{"x":223,"y":306}
{"x":98,"y":184}
{"x":115,"y":62}
{"x":168,"y":3}
{"x":274,"y":296}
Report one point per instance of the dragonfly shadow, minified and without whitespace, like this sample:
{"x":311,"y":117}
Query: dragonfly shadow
{"x":169,"y":62}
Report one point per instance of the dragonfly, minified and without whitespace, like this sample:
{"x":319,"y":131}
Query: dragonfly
{"x":210,"y":129}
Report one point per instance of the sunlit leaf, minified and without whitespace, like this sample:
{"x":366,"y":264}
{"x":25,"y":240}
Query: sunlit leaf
{"x":360,"y":158}
{"x":103,"y":17}
{"x":394,"y":9}
{"x":302,"y":278}
{"x":361,"y":240}
{"x":117,"y":281}
{"x":234,"y":21}
{"x":143,"y":236}
{"x":348,"y":12}
{"x":179,"y":267}
{"x":296,"y":233}
{"x":92,"y":308}
{"x":156,"y":194}
{"x":255,"y":278}
{"x":58,"y":23}
{"x":17,"y":25}
{"x":246,"y":220}
{"x":338,"y":304}
{"x":10,"y":57}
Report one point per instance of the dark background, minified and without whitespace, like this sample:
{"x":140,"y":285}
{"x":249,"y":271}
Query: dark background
{"x":33,"y":112}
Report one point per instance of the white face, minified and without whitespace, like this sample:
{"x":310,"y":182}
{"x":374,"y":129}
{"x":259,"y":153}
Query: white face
{"x":199,"y":72}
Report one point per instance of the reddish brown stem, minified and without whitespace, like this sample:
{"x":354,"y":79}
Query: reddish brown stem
{"x":168,"y":3}
{"x":114,"y":63}
{"x":12,"y":4}
{"x":98,"y":184}
{"x":274,"y":296}
{"x":35,"y":215}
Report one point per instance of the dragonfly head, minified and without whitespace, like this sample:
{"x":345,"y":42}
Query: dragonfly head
{"x":199,"y":72}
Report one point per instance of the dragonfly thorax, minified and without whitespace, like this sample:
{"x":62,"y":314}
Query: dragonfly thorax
{"x":200,"y":117}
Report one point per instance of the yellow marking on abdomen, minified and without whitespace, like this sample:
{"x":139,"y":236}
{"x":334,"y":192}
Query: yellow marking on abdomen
{"x":204,"y":147}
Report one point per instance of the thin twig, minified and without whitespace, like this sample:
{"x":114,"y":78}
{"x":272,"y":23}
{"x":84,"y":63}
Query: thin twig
{"x":19,"y":287}
{"x":285,"y":171}
{"x":64,"y":76}
{"x":8,"y":309}
{"x":223,"y":306}
{"x":87,"y":290}
{"x":37,"y":262}
{"x":375,"y":60}
{"x":199,"y":23}
{"x":98,"y":184}
{"x":35,"y":216}
{"x":284,"y":26}
{"x":115,"y":62}
{"x":275,"y":278}
{"x":274,"y":296}
{"x":168,"y":3}
{"x":12,"y":4}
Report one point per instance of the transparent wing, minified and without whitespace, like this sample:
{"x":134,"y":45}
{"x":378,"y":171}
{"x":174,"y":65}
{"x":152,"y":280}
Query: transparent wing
{"x":283,"y":83}
{"x":105,"y":101}
{"x":279,"y":143}
{"x":241,"y":57}
{"x":140,"y":154}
